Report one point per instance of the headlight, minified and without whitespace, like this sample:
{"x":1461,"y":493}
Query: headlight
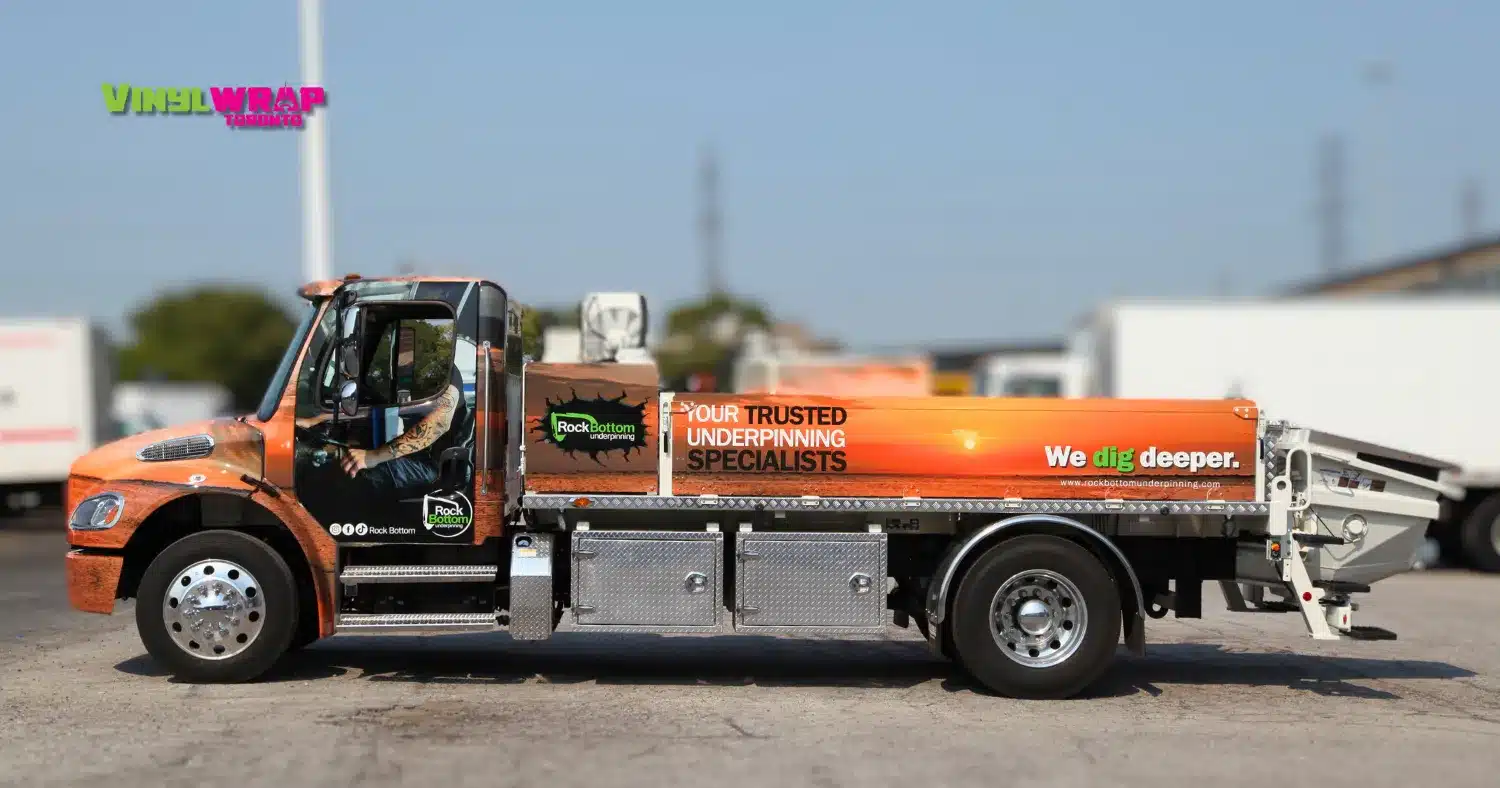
{"x":98,"y":512}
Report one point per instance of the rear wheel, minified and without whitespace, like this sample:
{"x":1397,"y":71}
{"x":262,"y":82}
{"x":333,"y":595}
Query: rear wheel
{"x":217,"y":606}
{"x":1480,"y":534}
{"x":1036,"y":617}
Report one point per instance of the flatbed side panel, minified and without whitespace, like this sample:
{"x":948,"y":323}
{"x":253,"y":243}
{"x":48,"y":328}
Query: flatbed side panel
{"x":962,"y":447}
{"x":552,"y":502}
{"x":591,"y":428}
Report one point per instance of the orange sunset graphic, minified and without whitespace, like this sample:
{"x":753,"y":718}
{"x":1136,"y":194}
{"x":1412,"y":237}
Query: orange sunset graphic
{"x":966,"y":447}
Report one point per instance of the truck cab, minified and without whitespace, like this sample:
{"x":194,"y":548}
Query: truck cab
{"x":1030,"y":373}
{"x":393,"y":417}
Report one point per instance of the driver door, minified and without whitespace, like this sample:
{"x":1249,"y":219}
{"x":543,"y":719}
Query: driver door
{"x":391,"y":462}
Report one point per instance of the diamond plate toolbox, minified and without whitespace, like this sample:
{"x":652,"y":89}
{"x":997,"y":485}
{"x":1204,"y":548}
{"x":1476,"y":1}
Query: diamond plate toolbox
{"x":811,"y":581}
{"x":647,"y":579}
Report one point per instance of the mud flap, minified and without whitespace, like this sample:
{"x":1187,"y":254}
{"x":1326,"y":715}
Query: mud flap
{"x":1135,"y":634}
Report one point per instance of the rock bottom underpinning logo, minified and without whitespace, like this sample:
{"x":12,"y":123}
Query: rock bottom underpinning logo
{"x":594,"y":426}
{"x":447,"y":515}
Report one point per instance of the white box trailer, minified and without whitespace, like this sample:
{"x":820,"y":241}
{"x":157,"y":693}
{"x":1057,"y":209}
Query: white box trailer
{"x":1414,"y":372}
{"x":56,"y":377}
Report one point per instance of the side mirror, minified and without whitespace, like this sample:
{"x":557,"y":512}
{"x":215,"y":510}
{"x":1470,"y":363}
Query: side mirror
{"x":349,"y":398}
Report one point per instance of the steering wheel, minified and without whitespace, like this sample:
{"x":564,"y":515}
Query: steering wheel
{"x":315,"y":436}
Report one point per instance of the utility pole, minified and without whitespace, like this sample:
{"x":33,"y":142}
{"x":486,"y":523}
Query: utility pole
{"x":1331,"y":203}
{"x":710,"y":229}
{"x":1379,"y":75}
{"x":1470,"y":209}
{"x":317,"y":241}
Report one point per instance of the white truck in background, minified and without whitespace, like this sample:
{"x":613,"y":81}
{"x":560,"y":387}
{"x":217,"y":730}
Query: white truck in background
{"x":1042,"y":371}
{"x":56,"y":381}
{"x":1415,"y":372}
{"x":139,"y":406}
{"x":561,"y":345}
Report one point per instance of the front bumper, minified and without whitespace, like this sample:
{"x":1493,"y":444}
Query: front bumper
{"x":93,"y":579}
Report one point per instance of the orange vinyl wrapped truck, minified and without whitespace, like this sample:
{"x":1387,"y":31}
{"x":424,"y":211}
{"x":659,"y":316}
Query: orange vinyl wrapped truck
{"x":409,"y":470}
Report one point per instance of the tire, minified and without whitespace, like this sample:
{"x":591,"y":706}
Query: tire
{"x":302,"y":641}
{"x":239,"y":591}
{"x":1480,"y":535}
{"x":1050,"y":572}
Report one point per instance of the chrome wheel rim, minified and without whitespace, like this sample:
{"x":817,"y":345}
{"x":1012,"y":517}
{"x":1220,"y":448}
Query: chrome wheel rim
{"x":1038,"y":618}
{"x":214,"y":609}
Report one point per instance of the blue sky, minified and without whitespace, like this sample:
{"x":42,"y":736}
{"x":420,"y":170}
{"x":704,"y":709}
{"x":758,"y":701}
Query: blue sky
{"x":892,"y":172}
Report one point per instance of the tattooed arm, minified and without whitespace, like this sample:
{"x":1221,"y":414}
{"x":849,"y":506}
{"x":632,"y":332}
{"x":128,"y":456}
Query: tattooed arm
{"x":421,"y":435}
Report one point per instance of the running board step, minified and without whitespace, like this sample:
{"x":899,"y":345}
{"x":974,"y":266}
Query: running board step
{"x":379,"y":621}
{"x":419,"y":573}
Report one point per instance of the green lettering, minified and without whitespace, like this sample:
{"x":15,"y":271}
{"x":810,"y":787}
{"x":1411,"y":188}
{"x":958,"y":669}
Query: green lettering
{"x":1126,"y":463}
{"x":149,"y":101}
{"x":117,"y":98}
{"x":180,"y":100}
{"x":200,"y":102}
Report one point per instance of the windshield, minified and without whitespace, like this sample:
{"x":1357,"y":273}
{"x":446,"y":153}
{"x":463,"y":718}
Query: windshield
{"x":272,"y":397}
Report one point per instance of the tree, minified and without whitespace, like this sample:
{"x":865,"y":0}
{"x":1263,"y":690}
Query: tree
{"x":535,"y":320}
{"x":233,"y":336}
{"x":702,"y":336}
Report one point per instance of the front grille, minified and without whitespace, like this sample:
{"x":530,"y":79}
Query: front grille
{"x":190,"y":447}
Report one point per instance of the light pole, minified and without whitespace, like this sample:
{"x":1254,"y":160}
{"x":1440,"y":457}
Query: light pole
{"x":317,"y":241}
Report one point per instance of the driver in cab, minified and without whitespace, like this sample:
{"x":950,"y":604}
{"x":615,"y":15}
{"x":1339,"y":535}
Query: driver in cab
{"x":409,"y":459}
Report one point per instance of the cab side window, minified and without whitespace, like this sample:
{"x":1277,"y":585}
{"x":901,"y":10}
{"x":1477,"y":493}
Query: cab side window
{"x":411,"y":362}
{"x":406,"y":353}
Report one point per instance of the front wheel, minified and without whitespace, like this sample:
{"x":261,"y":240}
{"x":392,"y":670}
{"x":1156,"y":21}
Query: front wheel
{"x":217,"y":606}
{"x":1036,"y":617}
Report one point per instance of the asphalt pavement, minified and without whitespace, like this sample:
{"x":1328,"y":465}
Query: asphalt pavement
{"x":33,"y":594}
{"x":1229,"y":700}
